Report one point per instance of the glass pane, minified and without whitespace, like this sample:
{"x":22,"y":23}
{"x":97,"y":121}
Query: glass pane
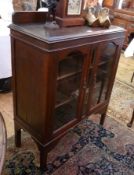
{"x":98,"y":78}
{"x":68,"y":84}
{"x":103,"y":74}
{"x":68,"y":89}
{"x":71,"y":65}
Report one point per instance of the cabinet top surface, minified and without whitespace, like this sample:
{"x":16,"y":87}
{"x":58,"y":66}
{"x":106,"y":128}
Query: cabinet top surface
{"x":57,"y":35}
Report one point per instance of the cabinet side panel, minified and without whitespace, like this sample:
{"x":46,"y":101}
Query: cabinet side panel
{"x":30,"y":78}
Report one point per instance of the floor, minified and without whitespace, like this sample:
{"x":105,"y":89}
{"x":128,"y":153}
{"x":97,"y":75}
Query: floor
{"x":124,"y":73}
{"x":125,"y":70}
{"x":6,"y":108}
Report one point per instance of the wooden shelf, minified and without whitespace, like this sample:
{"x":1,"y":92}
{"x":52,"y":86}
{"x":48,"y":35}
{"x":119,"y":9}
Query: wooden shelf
{"x":64,"y":102}
{"x":71,"y":97}
{"x":68,"y":75}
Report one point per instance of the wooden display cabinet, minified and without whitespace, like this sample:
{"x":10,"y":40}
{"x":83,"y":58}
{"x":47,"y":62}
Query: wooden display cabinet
{"x":125,"y":19}
{"x":60,"y":76}
{"x":123,"y":16}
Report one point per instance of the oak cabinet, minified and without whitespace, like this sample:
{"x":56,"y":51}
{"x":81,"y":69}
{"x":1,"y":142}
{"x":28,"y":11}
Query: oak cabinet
{"x":60,"y":76}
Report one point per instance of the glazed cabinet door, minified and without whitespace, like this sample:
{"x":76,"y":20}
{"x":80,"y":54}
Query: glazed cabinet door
{"x":69,"y":86}
{"x":100,"y":75}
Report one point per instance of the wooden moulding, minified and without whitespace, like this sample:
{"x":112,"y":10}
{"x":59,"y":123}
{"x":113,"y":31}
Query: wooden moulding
{"x":28,"y":17}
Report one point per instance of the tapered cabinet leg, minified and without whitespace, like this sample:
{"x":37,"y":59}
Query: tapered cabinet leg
{"x":43,"y":159}
{"x":43,"y":155}
{"x":102,"y":119}
{"x":132,"y":120}
{"x":17,"y":136}
{"x":132,"y":77}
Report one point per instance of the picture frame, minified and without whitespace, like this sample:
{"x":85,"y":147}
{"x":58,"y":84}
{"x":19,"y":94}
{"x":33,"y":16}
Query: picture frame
{"x":74,"y":7}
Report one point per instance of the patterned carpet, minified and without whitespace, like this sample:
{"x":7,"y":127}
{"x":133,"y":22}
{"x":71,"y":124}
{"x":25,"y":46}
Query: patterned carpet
{"x":87,"y":149}
{"x":123,"y":91}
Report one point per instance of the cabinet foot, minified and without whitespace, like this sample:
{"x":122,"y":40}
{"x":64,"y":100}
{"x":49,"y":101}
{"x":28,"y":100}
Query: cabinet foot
{"x":17,"y":137}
